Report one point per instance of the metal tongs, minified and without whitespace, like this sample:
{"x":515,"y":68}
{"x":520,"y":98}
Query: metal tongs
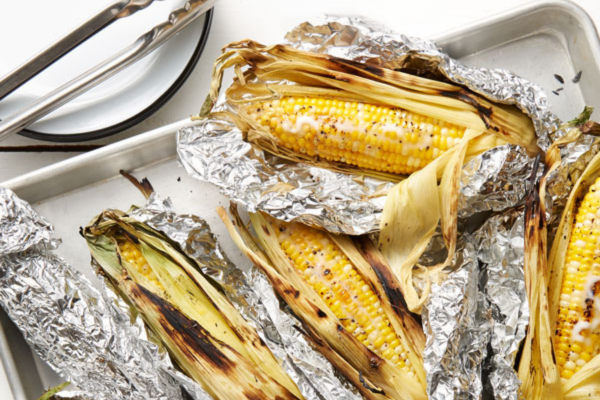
{"x":178,"y":19}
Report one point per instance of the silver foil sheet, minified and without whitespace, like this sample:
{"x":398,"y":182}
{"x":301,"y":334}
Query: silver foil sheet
{"x":215,"y":152}
{"x":457,"y":324}
{"x":95,"y":341}
{"x":500,"y":250}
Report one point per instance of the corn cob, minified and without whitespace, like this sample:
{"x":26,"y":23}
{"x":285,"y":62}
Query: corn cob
{"x":577,"y":338}
{"x":339,"y":297}
{"x":201,"y":329}
{"x":336,"y":280}
{"x":368,"y":136}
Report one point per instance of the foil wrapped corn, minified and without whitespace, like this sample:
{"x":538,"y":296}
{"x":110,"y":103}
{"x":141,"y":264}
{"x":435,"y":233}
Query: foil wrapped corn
{"x":366,"y":120}
{"x":206,"y":336}
{"x":350,"y":304}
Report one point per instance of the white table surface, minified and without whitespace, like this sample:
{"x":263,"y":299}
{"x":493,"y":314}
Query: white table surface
{"x":267,"y":21}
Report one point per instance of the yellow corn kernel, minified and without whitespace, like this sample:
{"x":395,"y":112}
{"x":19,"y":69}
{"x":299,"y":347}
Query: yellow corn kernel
{"x":364,"y":135}
{"x":134,"y":256}
{"x":341,"y":286}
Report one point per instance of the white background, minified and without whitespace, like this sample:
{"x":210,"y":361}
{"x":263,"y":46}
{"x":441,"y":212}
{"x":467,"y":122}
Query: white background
{"x":265,"y":21}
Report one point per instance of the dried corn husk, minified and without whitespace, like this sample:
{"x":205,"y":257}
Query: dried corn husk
{"x":373,"y":376}
{"x":202,"y":330}
{"x":537,"y":371}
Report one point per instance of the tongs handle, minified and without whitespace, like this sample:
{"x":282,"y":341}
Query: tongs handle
{"x":149,"y":41}
{"x":42,"y":60}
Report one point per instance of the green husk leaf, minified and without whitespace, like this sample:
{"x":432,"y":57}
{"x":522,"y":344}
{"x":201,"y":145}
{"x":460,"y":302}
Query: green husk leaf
{"x":52,"y":391}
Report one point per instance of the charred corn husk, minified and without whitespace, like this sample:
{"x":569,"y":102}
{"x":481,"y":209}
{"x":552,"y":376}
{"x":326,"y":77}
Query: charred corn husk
{"x":202,"y":330}
{"x":347,"y":300}
{"x":537,"y":371}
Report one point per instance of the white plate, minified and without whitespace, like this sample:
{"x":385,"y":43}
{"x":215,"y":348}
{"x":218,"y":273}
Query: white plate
{"x":27,"y":27}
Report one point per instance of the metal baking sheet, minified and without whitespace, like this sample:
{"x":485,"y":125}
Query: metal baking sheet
{"x":536,"y":41}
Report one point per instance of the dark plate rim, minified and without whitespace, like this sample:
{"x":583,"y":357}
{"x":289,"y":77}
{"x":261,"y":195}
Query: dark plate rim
{"x":142,"y":115}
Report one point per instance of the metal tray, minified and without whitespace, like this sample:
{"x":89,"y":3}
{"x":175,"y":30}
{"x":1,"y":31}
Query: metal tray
{"x":536,"y":41}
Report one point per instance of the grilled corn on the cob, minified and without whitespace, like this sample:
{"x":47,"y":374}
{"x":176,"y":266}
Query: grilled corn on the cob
{"x":351,"y":117}
{"x":577,"y":337}
{"x":202,"y":330}
{"x":367,"y":136}
{"x":342,"y":302}
{"x":574,"y":286}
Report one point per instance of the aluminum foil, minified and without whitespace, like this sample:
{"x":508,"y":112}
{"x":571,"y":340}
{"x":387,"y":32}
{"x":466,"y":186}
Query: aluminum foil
{"x":215,"y":152}
{"x":457,"y":323}
{"x":495,"y":181}
{"x":98,"y":343}
{"x":500,"y":250}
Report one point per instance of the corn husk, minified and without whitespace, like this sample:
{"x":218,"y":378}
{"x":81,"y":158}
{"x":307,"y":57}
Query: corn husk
{"x":537,"y":370}
{"x":204,"y":333}
{"x":373,"y":376}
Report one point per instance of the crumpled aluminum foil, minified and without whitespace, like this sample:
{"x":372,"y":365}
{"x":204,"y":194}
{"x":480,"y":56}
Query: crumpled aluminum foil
{"x":500,"y":249}
{"x":457,"y":324}
{"x":96,"y":342}
{"x":214,"y":150}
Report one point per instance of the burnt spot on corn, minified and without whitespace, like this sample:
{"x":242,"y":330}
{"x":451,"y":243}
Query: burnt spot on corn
{"x":374,"y":70}
{"x":375,"y":361}
{"x":484,"y":112}
{"x":321,"y":314}
{"x":369,"y":387}
{"x":389,"y":282}
{"x":194,"y":341}
{"x":265,"y":230}
{"x":292,"y":292}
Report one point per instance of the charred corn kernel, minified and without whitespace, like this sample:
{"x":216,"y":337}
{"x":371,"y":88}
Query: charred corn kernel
{"x":579,"y":308}
{"x":392,"y":140}
{"x":335,"y":275}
